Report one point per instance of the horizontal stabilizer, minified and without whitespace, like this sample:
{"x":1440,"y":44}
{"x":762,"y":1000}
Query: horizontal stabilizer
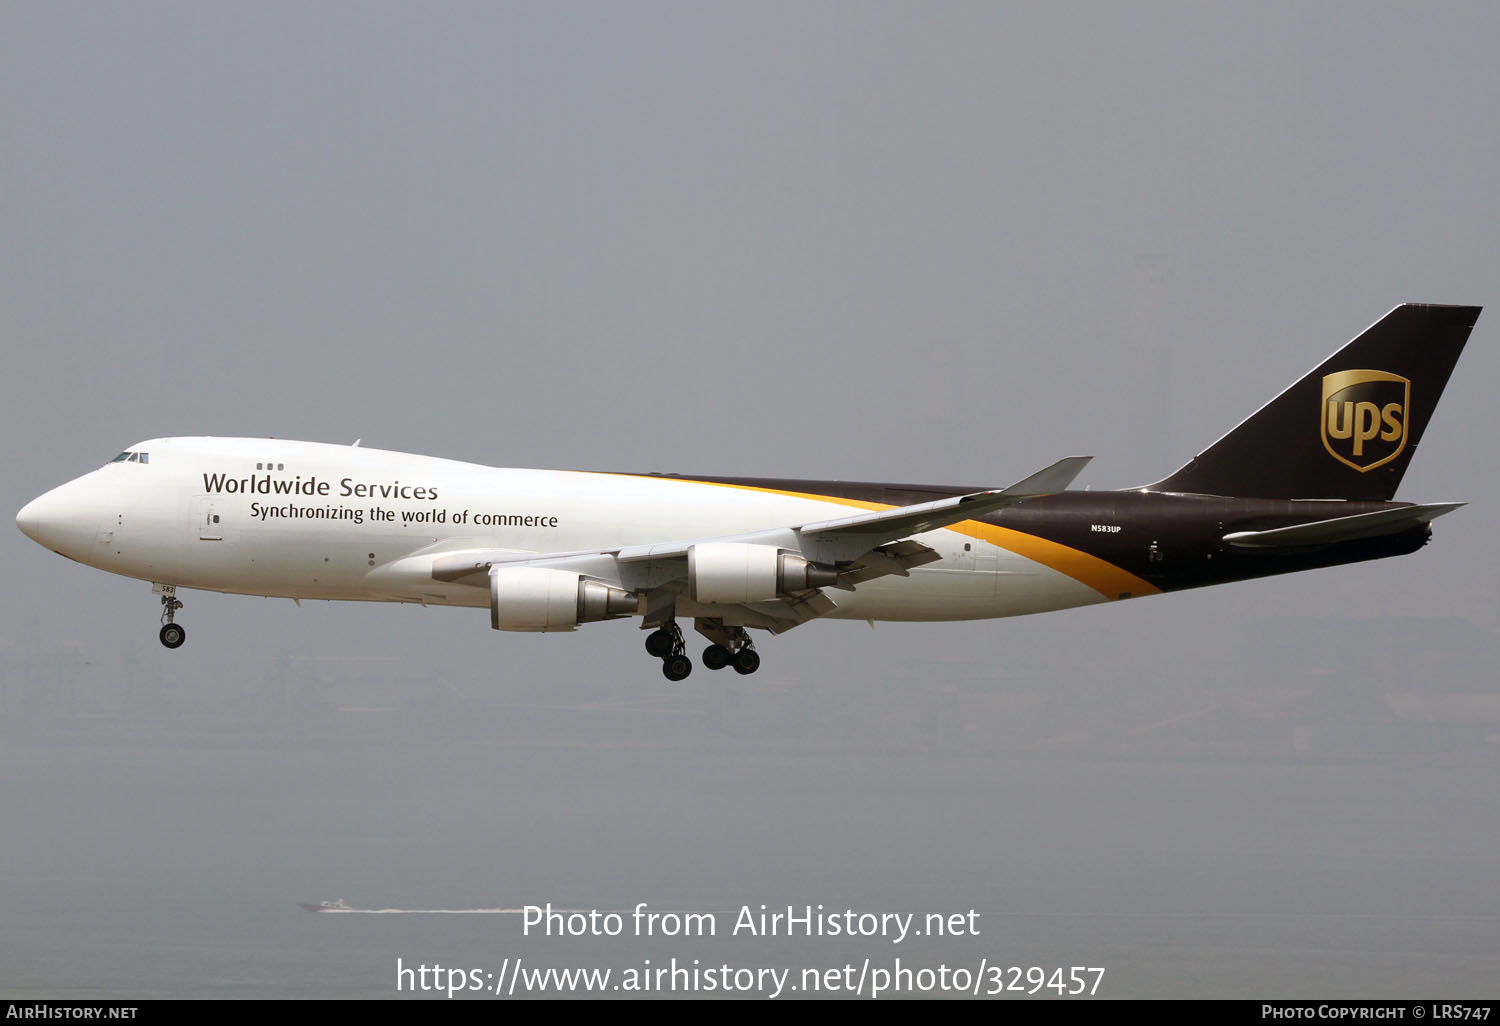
{"x":1341,"y":529}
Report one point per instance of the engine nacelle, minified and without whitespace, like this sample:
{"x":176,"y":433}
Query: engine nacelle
{"x":535,"y":598}
{"x":737,"y":572}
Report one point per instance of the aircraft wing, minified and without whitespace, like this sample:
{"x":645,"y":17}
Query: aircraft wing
{"x":1341,"y":529}
{"x":890,"y":524}
{"x":848,"y":537}
{"x":861,"y":547}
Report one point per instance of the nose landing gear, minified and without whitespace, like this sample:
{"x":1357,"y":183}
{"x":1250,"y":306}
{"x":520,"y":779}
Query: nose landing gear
{"x":172,"y":634}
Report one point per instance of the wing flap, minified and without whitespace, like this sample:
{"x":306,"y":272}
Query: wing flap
{"x":797,"y":608}
{"x":896,"y":558}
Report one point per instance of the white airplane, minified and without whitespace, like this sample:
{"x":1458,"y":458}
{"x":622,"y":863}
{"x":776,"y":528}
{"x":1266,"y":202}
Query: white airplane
{"x":1307,"y":481}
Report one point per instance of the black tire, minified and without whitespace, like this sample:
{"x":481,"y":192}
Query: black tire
{"x":746,"y":660}
{"x":173,"y":635}
{"x":716,"y":657}
{"x":676,"y":667}
{"x":659,"y":644}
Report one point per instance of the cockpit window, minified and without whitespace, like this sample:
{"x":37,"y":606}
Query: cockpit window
{"x":132,"y":457}
{"x":121,"y":458}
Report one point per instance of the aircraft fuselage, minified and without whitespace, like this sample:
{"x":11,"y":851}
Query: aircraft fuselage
{"x":311,"y":520}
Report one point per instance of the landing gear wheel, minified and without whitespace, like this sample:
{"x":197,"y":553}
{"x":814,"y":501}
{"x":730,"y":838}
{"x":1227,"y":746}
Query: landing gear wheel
{"x":659,"y":643}
{"x":173,"y":635}
{"x":716,"y":657}
{"x":666,"y":643}
{"x":746,"y":660}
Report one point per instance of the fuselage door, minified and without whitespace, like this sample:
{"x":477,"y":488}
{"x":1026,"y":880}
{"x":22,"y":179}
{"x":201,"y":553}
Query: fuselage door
{"x":979,"y":557}
{"x":206,"y":517}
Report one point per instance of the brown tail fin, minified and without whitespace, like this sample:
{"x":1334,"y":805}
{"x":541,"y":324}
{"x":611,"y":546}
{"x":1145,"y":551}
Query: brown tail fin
{"x":1349,"y":428}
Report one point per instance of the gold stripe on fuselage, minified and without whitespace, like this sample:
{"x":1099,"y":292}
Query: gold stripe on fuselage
{"x":1099,"y":574}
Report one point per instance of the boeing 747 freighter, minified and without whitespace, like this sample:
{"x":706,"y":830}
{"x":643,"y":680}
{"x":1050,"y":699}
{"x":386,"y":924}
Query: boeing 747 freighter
{"x":1307,"y":481}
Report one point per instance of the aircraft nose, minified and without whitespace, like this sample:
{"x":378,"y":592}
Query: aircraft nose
{"x":29,"y":520}
{"x":60,"y":520}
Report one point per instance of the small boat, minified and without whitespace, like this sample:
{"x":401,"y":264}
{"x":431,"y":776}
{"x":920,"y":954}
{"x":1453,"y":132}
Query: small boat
{"x":336,"y":905}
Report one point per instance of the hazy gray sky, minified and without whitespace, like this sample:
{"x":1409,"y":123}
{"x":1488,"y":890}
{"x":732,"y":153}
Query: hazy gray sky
{"x":946,"y":242}
{"x":878,"y":241}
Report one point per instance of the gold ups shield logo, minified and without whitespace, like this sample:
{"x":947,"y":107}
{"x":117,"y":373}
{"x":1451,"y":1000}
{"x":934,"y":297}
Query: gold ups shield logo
{"x":1364,"y":417}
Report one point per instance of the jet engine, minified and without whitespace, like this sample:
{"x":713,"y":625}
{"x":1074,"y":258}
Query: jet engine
{"x":744,"y":572}
{"x":534,"y":598}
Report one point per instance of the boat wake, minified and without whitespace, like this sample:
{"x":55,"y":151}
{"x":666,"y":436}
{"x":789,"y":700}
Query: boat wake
{"x":342,"y":907}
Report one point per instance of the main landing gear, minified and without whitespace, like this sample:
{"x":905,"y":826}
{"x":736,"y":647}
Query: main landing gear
{"x":738,"y":653}
{"x":172,"y":634}
{"x":666,"y":644}
{"x":731,"y":647}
